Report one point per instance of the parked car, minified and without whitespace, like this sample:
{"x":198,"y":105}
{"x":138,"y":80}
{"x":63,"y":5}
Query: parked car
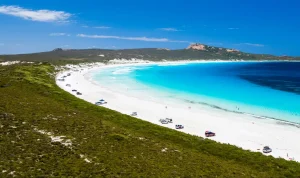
{"x":169,"y":120}
{"x":133,"y":114}
{"x":210,"y":134}
{"x":68,"y":85}
{"x":100,"y":103}
{"x":163,"y":121}
{"x":78,"y":93}
{"x":267,"y":149}
{"x":74,"y":90}
{"x":179,"y":126}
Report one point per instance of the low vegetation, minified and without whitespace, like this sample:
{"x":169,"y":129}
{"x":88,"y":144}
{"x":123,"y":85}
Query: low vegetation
{"x":151,"y":54}
{"x":45,"y":131}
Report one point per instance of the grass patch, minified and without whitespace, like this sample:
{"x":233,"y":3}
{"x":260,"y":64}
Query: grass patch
{"x":35,"y":75}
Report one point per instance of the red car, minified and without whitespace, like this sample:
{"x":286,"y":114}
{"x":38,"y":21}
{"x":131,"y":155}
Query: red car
{"x":179,"y":126}
{"x":209,"y":134}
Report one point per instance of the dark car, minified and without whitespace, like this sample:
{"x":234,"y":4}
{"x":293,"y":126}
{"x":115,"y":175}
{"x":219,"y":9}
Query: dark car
{"x":267,"y":149}
{"x":210,"y":134}
{"x":74,"y":90}
{"x":78,"y":93}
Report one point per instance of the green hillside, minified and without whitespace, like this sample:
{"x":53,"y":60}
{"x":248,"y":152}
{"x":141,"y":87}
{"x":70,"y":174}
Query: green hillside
{"x":152,"y":54}
{"x":45,"y":131}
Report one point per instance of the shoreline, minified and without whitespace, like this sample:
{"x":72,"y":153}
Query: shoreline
{"x":241,"y":129}
{"x":279,"y":121}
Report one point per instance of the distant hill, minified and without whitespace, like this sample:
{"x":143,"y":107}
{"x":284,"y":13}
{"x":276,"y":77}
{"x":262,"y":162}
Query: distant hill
{"x":192,"y":52}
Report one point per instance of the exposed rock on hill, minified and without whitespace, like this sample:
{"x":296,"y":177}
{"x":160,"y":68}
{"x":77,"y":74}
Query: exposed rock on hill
{"x":196,"y":46}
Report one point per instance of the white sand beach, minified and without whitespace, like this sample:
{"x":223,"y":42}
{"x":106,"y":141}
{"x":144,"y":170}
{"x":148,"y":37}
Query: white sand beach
{"x":242,"y":130}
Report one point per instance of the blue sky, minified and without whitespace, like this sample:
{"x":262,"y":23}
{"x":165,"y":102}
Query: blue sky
{"x":263,"y":26}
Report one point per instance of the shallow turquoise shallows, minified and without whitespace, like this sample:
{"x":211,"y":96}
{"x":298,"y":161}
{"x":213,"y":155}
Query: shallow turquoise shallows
{"x":268,"y":89}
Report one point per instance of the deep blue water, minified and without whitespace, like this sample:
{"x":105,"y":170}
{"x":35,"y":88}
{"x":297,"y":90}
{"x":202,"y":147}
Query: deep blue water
{"x":270,"y":89}
{"x":283,"y":76}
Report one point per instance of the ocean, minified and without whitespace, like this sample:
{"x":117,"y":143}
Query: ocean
{"x":262,"y":89}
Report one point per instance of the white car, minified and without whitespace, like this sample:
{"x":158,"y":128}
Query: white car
{"x":133,"y":114}
{"x":169,"y":120}
{"x":163,"y":121}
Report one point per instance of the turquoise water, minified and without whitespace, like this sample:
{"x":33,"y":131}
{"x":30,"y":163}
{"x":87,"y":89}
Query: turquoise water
{"x":259,"y":88}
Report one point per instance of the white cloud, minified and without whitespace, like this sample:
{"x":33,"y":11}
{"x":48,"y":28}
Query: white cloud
{"x":169,"y":29}
{"x":102,"y":27}
{"x":130,"y":38}
{"x":252,"y":44}
{"x":36,"y":15}
{"x":59,"y":34}
{"x":233,"y":28}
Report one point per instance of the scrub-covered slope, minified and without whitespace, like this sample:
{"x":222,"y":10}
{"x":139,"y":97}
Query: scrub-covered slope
{"x":193,"y":52}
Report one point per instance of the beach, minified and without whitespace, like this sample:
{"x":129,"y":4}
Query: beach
{"x":245,"y":131}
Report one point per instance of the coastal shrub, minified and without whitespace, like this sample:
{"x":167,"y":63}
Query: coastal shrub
{"x":118,"y":137}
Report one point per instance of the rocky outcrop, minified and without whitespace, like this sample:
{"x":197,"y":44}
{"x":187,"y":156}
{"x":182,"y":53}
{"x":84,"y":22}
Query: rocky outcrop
{"x":196,"y":46}
{"x":201,"y":47}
